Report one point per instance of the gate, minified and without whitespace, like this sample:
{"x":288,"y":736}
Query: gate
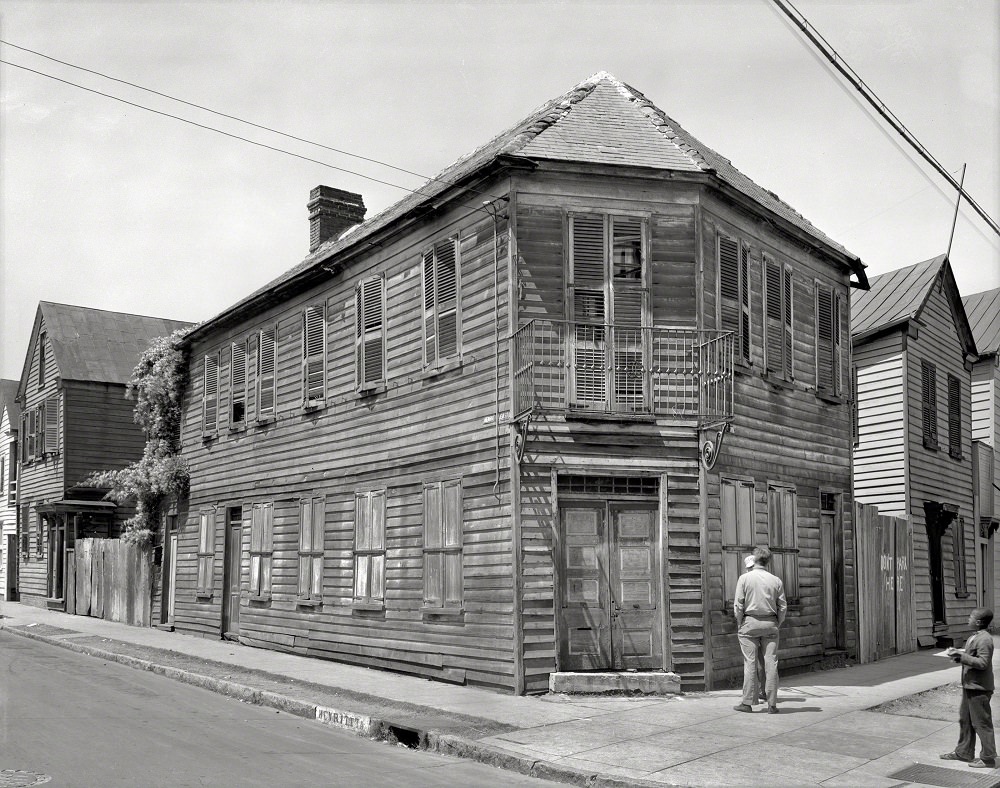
{"x":884,"y":569}
{"x":111,"y":580}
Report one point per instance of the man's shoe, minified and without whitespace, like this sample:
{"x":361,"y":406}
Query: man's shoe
{"x":772,"y":709}
{"x":743,"y":707}
{"x":953,"y":756}
{"x":979,"y":763}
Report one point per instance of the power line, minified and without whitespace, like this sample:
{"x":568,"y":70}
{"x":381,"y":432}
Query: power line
{"x":217,"y":131}
{"x":869,"y":95}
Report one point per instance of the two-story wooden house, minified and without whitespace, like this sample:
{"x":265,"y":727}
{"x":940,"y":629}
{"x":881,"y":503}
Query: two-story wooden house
{"x":913,"y":354}
{"x":530,"y":418}
{"x":75,"y":421}
{"x":983,"y":310}
{"x":10,"y":418}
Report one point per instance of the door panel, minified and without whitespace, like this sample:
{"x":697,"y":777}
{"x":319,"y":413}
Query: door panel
{"x":231,"y":600}
{"x":635,"y":587}
{"x":586,"y":638}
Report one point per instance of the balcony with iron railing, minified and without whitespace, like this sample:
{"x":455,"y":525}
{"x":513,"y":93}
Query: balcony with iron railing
{"x":595,"y":369}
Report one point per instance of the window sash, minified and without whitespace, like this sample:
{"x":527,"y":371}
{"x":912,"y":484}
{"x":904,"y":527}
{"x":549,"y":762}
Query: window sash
{"x":369,"y":547}
{"x":443,"y":517}
{"x":261,"y":548}
{"x":312,"y":520}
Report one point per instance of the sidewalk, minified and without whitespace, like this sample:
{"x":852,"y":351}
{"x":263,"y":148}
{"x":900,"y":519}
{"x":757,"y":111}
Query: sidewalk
{"x":823,"y":735}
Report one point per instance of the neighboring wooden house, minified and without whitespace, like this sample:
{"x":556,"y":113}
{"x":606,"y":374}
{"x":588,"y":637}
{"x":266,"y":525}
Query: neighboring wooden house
{"x":10,"y":418}
{"x":983,"y":310}
{"x":482,"y":437}
{"x":75,"y":420}
{"x":913,"y":354}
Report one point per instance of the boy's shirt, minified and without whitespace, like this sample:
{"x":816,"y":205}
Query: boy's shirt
{"x":977,"y":662}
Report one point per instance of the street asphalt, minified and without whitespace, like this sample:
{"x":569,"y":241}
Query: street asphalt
{"x":825,"y":733}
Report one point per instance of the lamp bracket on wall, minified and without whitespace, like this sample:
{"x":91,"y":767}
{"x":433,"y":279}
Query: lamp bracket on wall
{"x":710,"y":441}
{"x":521,"y":427}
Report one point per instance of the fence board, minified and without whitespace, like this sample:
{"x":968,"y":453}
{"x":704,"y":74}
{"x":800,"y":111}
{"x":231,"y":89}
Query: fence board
{"x":113,"y":581}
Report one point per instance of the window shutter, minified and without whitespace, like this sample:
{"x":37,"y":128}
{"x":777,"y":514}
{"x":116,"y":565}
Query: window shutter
{"x":627,"y":282}
{"x":210,"y":397}
{"x":256,"y":543}
{"x":52,"y":425}
{"x":305,"y":546}
{"x":855,"y":414}
{"x":954,"y":417}
{"x":238,"y":383}
{"x":267,"y":536}
{"x":729,"y":284}
{"x":745,"y":302}
{"x":838,"y":350}
{"x":587,"y":273}
{"x":773,"y":307}
{"x":433,"y":576}
{"x":928,"y":403}
{"x":452,"y":538}
{"x":446,"y":270}
{"x":318,"y":538}
{"x":266,"y":390}
{"x":314,"y":353}
{"x":23,"y":437}
{"x":370,"y":334}
{"x":824,"y":338}
{"x":378,"y":543}
{"x":430,"y":325}
{"x":786,"y":307}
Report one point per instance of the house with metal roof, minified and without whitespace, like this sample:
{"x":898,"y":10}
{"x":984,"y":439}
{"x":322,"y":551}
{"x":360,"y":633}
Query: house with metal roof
{"x":913,"y":353}
{"x":74,"y":421}
{"x":10,"y":418}
{"x":983,"y":310}
{"x":528,"y":420}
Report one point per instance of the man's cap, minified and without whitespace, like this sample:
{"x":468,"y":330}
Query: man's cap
{"x":748,"y":561}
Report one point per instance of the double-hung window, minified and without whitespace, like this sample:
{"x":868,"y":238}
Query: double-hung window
{"x":782,"y":523}
{"x":928,"y":403}
{"x":238,"y":384}
{"x":312,"y":530}
{"x":314,"y":355}
{"x":734,"y":293}
{"x":778,"y":339}
{"x":442,"y":296}
{"x":954,"y":417}
{"x":443,"y":544}
{"x":369,"y":333}
{"x":267,"y":393}
{"x":738,"y":533}
{"x":206,"y":553}
{"x":261,"y":549}
{"x":828,"y":340}
{"x":210,"y":395}
{"x":369,"y":548}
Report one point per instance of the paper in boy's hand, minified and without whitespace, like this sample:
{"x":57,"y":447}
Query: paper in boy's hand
{"x":951,"y":652}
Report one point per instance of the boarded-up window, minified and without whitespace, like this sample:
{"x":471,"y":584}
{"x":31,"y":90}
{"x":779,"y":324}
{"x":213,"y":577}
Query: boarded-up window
{"x":782,"y":523}
{"x":442,"y":316}
{"x":314,"y":354}
{"x":369,"y":547}
{"x":267,"y":348}
{"x":778,"y":339}
{"x":738,"y":537}
{"x":312,"y":530}
{"x":828,"y":340}
{"x":261,"y":549}
{"x":961,"y":577}
{"x":206,"y":553}
{"x":210,"y":395}
{"x":369,"y":320}
{"x":41,"y":359}
{"x":238,"y":384}
{"x":734,"y":293}
{"x":928,"y":403}
{"x":954,"y":417}
{"x":443,"y":544}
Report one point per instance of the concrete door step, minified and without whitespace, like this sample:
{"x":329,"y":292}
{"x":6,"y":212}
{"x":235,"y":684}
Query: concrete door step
{"x":654,"y":682}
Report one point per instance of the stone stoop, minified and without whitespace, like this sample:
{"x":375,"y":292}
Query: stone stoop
{"x":592,"y":683}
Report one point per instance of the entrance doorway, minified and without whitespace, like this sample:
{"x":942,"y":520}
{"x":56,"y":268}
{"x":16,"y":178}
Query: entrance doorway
{"x":231,"y":574}
{"x":832,"y":560}
{"x":56,"y":558}
{"x":610,"y":586}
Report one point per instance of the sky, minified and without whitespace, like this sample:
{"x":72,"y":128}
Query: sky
{"x":109,"y":205}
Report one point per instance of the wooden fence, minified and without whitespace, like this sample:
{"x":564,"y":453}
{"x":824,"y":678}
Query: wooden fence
{"x":884,"y":567}
{"x":109,"y":579}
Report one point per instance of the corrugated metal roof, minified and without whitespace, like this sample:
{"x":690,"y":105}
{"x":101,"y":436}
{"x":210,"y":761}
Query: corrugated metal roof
{"x":983,"y":310}
{"x":100,"y":346}
{"x":893,"y":297}
{"x":8,"y":399}
{"x":602,"y":120}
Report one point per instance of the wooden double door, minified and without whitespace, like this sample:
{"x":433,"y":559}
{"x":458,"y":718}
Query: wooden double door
{"x":611,"y":616}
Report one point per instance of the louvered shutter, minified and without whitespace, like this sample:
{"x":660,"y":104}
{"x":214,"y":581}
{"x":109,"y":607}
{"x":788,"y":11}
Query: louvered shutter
{"x":51,"y":425}
{"x":314,"y":353}
{"x":210,"y":396}
{"x":729,"y":285}
{"x":266,"y":389}
{"x":587,"y":258}
{"x":773,"y":340}
{"x":24,"y":438}
{"x":370,"y":334}
{"x":855,"y":414}
{"x":824,"y":338}
{"x":446,"y":270}
{"x":928,"y":403}
{"x":745,"y":302}
{"x":238,"y":383}
{"x":628,"y":295}
{"x":430,"y":324}
{"x":838,"y":349}
{"x":954,"y":417}
{"x":786,"y":319}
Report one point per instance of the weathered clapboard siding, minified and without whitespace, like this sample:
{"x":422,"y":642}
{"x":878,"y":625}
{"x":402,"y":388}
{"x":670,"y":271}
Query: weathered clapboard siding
{"x":880,"y":457}
{"x":934,"y":475}
{"x":425,"y":426}
{"x":99,"y":428}
{"x":805,"y":441}
{"x":985,"y":400}
{"x":8,"y":510}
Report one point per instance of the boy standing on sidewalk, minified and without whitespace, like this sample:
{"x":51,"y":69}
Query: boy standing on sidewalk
{"x":974,"y":715}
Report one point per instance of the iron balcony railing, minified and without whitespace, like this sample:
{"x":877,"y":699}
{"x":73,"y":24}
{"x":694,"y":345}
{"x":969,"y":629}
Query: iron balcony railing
{"x":667,"y":372}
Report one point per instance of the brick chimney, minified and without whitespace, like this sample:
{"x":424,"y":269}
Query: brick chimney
{"x":331,"y":211}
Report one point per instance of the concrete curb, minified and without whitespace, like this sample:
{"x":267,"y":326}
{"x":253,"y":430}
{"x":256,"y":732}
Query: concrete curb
{"x":359,"y":724}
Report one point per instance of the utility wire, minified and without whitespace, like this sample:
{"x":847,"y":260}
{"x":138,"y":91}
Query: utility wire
{"x":869,"y":95}
{"x":220,"y":114}
{"x":217,"y":131}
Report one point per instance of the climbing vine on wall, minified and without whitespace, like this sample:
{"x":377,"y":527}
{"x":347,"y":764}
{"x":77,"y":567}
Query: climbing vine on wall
{"x":157,"y":385}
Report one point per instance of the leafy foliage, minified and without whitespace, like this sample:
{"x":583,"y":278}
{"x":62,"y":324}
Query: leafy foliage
{"x":157,"y":385}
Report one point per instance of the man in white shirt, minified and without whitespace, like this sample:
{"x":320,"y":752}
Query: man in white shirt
{"x":760,"y":609}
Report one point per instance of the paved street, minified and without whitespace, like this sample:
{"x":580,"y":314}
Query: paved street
{"x":88,"y":722}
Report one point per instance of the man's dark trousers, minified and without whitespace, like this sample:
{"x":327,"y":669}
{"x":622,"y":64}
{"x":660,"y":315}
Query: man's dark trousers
{"x":974,"y":717}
